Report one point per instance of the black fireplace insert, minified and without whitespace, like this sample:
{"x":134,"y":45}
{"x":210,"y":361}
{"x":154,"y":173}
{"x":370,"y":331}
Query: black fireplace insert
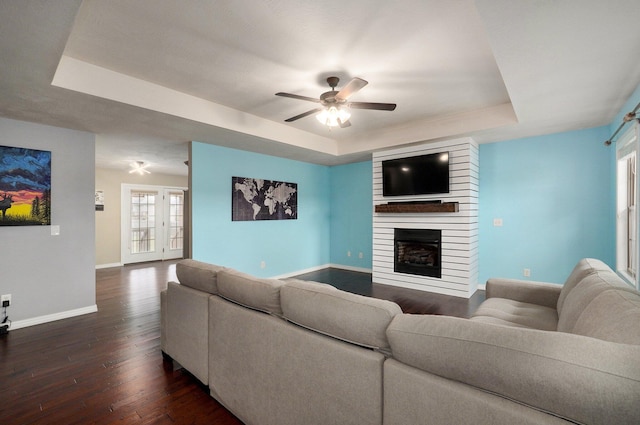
{"x":418,"y":251}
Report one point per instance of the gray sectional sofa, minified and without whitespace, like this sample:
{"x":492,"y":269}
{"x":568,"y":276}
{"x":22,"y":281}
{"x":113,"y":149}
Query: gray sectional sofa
{"x":296,"y":352}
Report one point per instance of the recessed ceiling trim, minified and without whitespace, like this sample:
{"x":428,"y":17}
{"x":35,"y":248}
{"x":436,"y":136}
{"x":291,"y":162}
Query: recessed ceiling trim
{"x":453,"y":125}
{"x":76,"y":75}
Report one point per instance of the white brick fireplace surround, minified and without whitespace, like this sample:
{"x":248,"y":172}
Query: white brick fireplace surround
{"x":459,"y":242}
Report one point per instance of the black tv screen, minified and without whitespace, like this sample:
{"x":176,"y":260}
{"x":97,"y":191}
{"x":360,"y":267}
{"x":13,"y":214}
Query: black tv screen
{"x":416,"y":175}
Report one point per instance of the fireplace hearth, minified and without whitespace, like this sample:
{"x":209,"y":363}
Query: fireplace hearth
{"x":418,"y":251}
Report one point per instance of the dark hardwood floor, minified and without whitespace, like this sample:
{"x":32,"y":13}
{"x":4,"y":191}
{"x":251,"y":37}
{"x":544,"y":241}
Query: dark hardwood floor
{"x":410,"y":300}
{"x":107,"y":367}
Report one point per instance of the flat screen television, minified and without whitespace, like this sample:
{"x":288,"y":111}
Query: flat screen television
{"x":416,"y":175}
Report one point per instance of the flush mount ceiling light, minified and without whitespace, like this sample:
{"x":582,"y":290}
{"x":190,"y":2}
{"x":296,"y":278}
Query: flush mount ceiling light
{"x":139,"y":167}
{"x":334,"y":109}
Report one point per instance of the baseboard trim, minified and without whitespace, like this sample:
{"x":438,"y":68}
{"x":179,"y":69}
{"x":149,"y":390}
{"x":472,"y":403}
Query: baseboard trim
{"x":321,"y":267}
{"x":296,"y":273}
{"x":52,"y":317}
{"x":108,"y":266}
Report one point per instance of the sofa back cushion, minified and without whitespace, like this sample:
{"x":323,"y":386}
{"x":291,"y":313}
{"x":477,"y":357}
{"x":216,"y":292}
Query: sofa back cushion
{"x":580,"y":296}
{"x":249,"y":291}
{"x":198,"y":275}
{"x":613,"y":315}
{"x":354,"y":318}
{"x":584,"y":268}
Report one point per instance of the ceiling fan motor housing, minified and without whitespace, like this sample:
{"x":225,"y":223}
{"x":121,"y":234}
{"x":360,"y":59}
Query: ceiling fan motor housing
{"x":333,"y":82}
{"x":330,"y":97}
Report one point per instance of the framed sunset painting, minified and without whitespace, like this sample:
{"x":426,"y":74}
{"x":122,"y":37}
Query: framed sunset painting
{"x":25,"y":187}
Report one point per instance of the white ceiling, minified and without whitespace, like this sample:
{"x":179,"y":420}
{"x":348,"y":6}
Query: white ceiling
{"x":147,"y":76}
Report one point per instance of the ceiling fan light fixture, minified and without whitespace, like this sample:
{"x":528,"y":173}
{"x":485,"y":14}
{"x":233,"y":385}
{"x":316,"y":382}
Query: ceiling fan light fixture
{"x":333,"y":116}
{"x":334,"y":110}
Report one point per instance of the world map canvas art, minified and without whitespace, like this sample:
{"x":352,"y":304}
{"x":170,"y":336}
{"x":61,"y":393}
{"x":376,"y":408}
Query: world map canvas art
{"x":259,"y":199}
{"x":25,"y":187}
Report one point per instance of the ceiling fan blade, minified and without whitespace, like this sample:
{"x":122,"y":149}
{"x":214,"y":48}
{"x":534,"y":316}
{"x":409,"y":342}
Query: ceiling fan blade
{"x":344,"y":124}
{"x":372,"y":105}
{"x":351,"y":88}
{"x":305,"y":114}
{"x":296,"y":96}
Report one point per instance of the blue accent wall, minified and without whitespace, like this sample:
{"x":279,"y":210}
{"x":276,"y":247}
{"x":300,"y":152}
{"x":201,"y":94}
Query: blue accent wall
{"x":352,"y":214}
{"x":556,"y":197}
{"x":284,"y":245}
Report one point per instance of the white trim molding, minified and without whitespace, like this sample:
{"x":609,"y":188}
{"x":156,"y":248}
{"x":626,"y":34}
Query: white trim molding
{"x":53,"y":317}
{"x":299,"y":272}
{"x":108,"y":266}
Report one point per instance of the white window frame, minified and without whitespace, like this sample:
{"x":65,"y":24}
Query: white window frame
{"x":627,"y":250}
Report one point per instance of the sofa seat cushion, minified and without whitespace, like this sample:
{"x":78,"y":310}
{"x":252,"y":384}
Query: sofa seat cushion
{"x":198,"y":275}
{"x":249,"y":291}
{"x":508,"y":312}
{"x":325,"y":309}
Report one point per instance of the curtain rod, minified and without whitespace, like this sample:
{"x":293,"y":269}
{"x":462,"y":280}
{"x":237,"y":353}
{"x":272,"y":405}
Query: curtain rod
{"x":629,"y":117}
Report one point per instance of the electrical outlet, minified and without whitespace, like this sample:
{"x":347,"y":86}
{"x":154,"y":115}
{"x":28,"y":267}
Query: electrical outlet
{"x":348,"y":253}
{"x":526,"y":272}
{"x":5,"y":300}
{"x":263,"y":264}
{"x":361,"y":255}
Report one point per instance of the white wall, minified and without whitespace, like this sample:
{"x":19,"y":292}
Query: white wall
{"x":52,"y":277}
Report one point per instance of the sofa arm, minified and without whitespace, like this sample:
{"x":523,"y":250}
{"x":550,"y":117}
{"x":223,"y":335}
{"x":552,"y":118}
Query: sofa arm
{"x":187,"y":329}
{"x":579,"y":378}
{"x":540,"y":293}
{"x":163,"y":321}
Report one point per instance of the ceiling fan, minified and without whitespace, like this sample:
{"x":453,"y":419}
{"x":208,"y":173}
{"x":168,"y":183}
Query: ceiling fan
{"x":334,"y":109}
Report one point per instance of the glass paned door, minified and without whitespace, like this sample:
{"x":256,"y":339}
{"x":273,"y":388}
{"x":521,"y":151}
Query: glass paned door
{"x":174,"y":223}
{"x":143,"y":221}
{"x":152,"y":223}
